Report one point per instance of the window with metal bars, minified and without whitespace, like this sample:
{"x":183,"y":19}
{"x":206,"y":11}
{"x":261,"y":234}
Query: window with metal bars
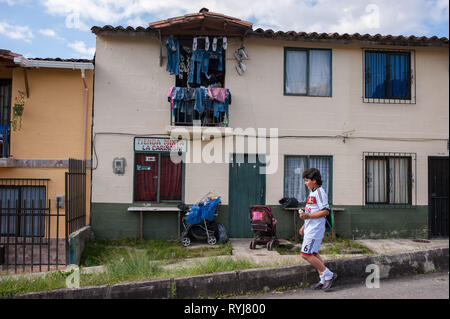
{"x":23,"y":206}
{"x":388,"y":77}
{"x":388,"y":179}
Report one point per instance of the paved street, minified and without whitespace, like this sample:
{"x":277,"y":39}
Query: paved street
{"x":429,"y":286}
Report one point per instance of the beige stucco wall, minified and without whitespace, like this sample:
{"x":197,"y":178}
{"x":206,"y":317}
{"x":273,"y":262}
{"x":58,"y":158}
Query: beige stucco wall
{"x":131,"y":99}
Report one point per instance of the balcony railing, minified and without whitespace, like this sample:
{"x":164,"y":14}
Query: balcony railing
{"x":185,"y":112}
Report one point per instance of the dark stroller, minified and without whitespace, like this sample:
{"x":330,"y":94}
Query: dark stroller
{"x":199,"y":223}
{"x":263,"y":227}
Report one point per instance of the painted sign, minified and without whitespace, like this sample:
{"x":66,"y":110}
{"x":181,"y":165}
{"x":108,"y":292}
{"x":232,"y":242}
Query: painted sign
{"x":143,"y":168}
{"x":151,"y":144}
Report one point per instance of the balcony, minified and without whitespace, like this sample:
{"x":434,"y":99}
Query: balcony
{"x":195,"y":107}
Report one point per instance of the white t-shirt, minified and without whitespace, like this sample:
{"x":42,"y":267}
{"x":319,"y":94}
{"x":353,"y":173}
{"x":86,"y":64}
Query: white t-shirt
{"x":317,"y":201}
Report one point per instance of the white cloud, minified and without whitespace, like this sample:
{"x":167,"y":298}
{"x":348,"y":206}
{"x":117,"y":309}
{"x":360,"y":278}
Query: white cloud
{"x":81,"y":50}
{"x":50,"y":33}
{"x":16,"y":32}
{"x":343,"y":16}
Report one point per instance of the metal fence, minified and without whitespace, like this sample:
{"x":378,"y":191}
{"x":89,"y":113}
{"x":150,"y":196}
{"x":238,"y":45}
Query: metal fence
{"x":33,"y":237}
{"x":76,"y":195}
{"x":30,"y":236}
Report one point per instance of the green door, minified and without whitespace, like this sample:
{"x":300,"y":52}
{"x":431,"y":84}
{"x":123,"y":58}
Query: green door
{"x":247,"y":187}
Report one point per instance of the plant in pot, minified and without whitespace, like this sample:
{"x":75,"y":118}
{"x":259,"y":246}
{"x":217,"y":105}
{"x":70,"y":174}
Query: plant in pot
{"x":17,"y":111}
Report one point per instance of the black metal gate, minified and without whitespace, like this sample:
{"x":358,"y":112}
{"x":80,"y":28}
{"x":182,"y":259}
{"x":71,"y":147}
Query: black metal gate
{"x":31,"y":234}
{"x":438,"y":204}
{"x":76,"y":195}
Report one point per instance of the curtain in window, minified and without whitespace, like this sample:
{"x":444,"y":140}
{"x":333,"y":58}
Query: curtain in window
{"x":376,"y":181}
{"x":399,"y":75}
{"x":295,"y":72}
{"x":32,"y":197}
{"x":375,"y":74}
{"x":8,"y":198}
{"x":320,"y":72}
{"x":323,"y":165}
{"x":171,"y":179}
{"x":398,"y":177}
{"x":293,"y":181}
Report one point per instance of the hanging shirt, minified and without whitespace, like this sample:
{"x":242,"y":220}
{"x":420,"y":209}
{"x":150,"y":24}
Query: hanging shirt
{"x":219,"y":94}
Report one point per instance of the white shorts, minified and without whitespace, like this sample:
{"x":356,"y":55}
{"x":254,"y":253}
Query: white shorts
{"x":310,"y":246}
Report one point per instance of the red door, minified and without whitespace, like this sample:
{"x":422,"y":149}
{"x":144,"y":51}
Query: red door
{"x":146,"y":177}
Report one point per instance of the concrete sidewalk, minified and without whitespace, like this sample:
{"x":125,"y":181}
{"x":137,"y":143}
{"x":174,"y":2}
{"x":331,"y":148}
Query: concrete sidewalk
{"x":261,"y":256}
{"x":395,"y":257}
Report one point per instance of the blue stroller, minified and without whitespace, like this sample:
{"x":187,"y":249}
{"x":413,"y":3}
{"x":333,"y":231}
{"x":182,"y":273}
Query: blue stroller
{"x":198,"y":221}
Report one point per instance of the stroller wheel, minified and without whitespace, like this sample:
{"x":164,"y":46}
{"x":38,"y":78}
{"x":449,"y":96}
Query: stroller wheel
{"x":186,"y":241}
{"x":270,"y":245}
{"x":212,"y":240}
{"x":252,"y":244}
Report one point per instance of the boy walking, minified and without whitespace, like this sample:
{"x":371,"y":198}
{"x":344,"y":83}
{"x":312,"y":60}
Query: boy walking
{"x":313,"y":229}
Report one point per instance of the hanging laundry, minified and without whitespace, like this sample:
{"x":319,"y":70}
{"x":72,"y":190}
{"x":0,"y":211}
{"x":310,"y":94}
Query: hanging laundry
{"x":219,"y":94}
{"x":173,"y":56}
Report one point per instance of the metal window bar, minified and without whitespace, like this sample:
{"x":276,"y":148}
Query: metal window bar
{"x":389,"y":179}
{"x":411,"y":99}
{"x":26,"y":249}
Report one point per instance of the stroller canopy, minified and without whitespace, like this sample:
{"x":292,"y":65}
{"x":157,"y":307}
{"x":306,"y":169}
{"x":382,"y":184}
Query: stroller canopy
{"x":198,"y":212}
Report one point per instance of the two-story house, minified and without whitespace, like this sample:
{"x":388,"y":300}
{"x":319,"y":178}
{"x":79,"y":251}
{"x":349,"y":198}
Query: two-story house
{"x":45,"y":123}
{"x":252,"y":109}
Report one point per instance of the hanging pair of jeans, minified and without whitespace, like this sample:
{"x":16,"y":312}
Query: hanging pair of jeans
{"x":188,"y":106}
{"x":202,"y":100}
{"x":217,"y":57}
{"x":173,"y":56}
{"x":199,"y":64}
{"x":177,"y":98}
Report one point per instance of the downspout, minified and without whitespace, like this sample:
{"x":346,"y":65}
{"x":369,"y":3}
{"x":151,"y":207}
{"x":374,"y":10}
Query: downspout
{"x":86,"y":92}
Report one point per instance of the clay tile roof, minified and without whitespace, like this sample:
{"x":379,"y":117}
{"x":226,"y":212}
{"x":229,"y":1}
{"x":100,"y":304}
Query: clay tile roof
{"x":356,"y":37}
{"x":192,"y":17}
{"x":8,"y":55}
{"x":187,"y":23}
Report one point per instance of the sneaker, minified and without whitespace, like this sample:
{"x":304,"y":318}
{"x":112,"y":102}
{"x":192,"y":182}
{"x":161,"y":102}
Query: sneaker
{"x":329,"y":283}
{"x":317,"y":286}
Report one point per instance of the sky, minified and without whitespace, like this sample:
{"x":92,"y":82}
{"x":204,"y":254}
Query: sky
{"x":61,"y":28}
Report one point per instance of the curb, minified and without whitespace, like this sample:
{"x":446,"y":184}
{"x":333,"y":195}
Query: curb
{"x":350,"y":270}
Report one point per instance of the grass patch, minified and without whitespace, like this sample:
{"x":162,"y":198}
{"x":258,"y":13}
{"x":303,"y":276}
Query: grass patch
{"x":330,"y":246}
{"x":10,"y":286}
{"x":100,"y":252}
{"x":127,"y":260}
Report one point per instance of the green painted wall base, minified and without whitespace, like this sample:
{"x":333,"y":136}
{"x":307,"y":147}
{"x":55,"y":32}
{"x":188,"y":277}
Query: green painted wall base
{"x":356,"y":222}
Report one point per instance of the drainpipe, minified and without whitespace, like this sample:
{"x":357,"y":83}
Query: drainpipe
{"x":86,"y":92}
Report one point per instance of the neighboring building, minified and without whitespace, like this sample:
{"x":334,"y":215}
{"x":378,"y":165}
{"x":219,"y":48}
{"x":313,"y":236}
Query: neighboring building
{"x":371,"y":112}
{"x":34,"y":162}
